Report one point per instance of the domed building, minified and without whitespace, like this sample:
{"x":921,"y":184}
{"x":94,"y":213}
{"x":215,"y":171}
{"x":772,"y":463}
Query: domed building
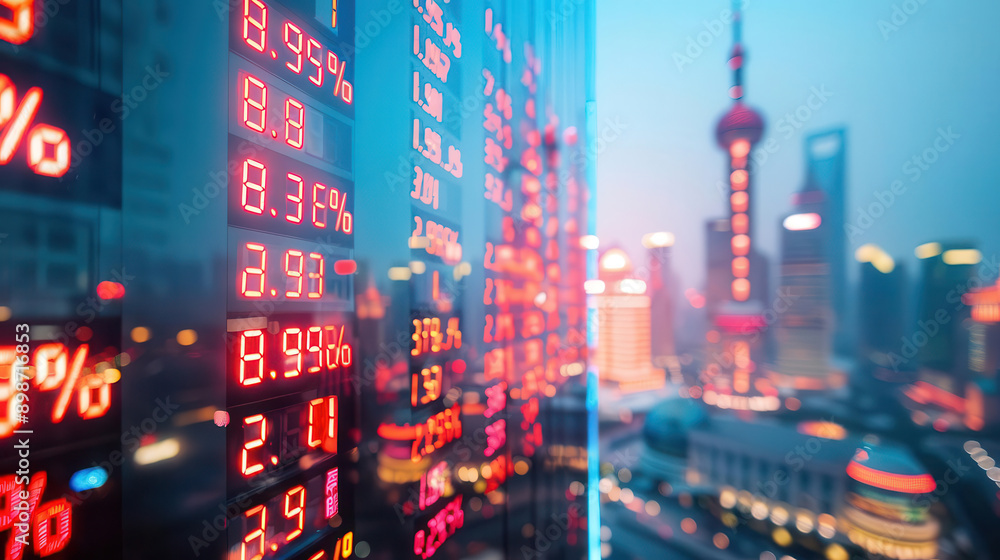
{"x":887,"y":505}
{"x":665,"y":435}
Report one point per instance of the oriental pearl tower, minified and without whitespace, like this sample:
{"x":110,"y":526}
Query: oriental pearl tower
{"x":737,"y":275}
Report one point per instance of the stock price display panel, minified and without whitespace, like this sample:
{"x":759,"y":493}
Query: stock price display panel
{"x":479,"y":322}
{"x":61,"y":283}
{"x":291,"y":440}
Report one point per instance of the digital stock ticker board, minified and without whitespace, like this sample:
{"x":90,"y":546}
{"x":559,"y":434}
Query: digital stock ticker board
{"x":295,"y":279}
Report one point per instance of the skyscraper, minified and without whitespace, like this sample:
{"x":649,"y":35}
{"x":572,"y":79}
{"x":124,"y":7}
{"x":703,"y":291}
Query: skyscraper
{"x":623,"y":315}
{"x":662,"y":293}
{"x":826,"y":154}
{"x":881,"y":307}
{"x":983,"y":393}
{"x":805,"y":329}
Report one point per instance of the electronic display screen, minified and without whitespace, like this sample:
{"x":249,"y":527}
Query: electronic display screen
{"x":61,"y":354}
{"x":287,"y":286}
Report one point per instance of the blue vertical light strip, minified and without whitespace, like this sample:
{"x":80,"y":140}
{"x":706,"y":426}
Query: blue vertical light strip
{"x":593,"y":435}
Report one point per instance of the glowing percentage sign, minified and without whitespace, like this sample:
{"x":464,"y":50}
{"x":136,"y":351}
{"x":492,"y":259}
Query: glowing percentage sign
{"x":343,"y":88}
{"x":49,"y":537}
{"x":338,"y":353}
{"x":345,"y":219}
{"x":48,"y":146}
{"x":52,"y":373}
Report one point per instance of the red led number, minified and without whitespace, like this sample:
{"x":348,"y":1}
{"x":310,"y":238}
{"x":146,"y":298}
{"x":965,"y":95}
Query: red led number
{"x":295,"y":509}
{"x":255,"y":24}
{"x":252,"y":283}
{"x":51,"y":522}
{"x":294,"y":127}
{"x":294,"y":201}
{"x":254,"y":181}
{"x":247,"y":468}
{"x":251,"y":375}
{"x":296,"y":47}
{"x":253,"y":542}
{"x":254,"y":111}
{"x":322,"y":429}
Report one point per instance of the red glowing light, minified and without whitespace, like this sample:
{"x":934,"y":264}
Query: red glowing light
{"x":253,"y":278}
{"x":259,"y":24}
{"x":295,"y":509}
{"x":21,"y":25}
{"x":110,"y":290}
{"x":298,"y":123}
{"x":903,"y":483}
{"x":439,"y":430}
{"x":738,"y":179}
{"x":258,"y":186}
{"x":741,"y":267}
{"x":48,"y":146}
{"x":256,"y":536}
{"x":332,"y":494}
{"x":741,"y":289}
{"x":51,"y":522}
{"x":345,"y":267}
{"x":258,"y":441}
{"x":739,"y":149}
{"x":739,"y":201}
{"x":296,"y":49}
{"x":741,"y":245}
{"x":430,"y":381}
{"x":427,"y":541}
{"x":740,"y":223}
{"x":458,"y":367}
{"x":297,"y":352}
{"x":430,"y":339}
{"x":252,"y":104}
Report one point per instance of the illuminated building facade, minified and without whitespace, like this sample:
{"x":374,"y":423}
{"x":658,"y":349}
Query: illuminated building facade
{"x":805,"y":328}
{"x":982,"y":392}
{"x":939,"y":341}
{"x":886,"y":509}
{"x":785,"y":481}
{"x":623,"y":313}
{"x":826,"y":160}
{"x":881,"y":309}
{"x":662,"y":294}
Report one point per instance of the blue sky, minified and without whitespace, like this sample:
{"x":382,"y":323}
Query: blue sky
{"x":892,"y":86}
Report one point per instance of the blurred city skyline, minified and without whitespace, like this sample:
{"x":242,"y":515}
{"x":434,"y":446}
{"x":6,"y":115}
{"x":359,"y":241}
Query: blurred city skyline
{"x":872,"y":68}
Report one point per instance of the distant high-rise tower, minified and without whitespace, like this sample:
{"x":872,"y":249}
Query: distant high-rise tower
{"x":805,"y":328}
{"x":735,"y":341}
{"x":826,"y":154}
{"x":881,"y":308}
{"x":662,"y":293}
{"x":939,"y":342}
{"x":624,"y":352}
